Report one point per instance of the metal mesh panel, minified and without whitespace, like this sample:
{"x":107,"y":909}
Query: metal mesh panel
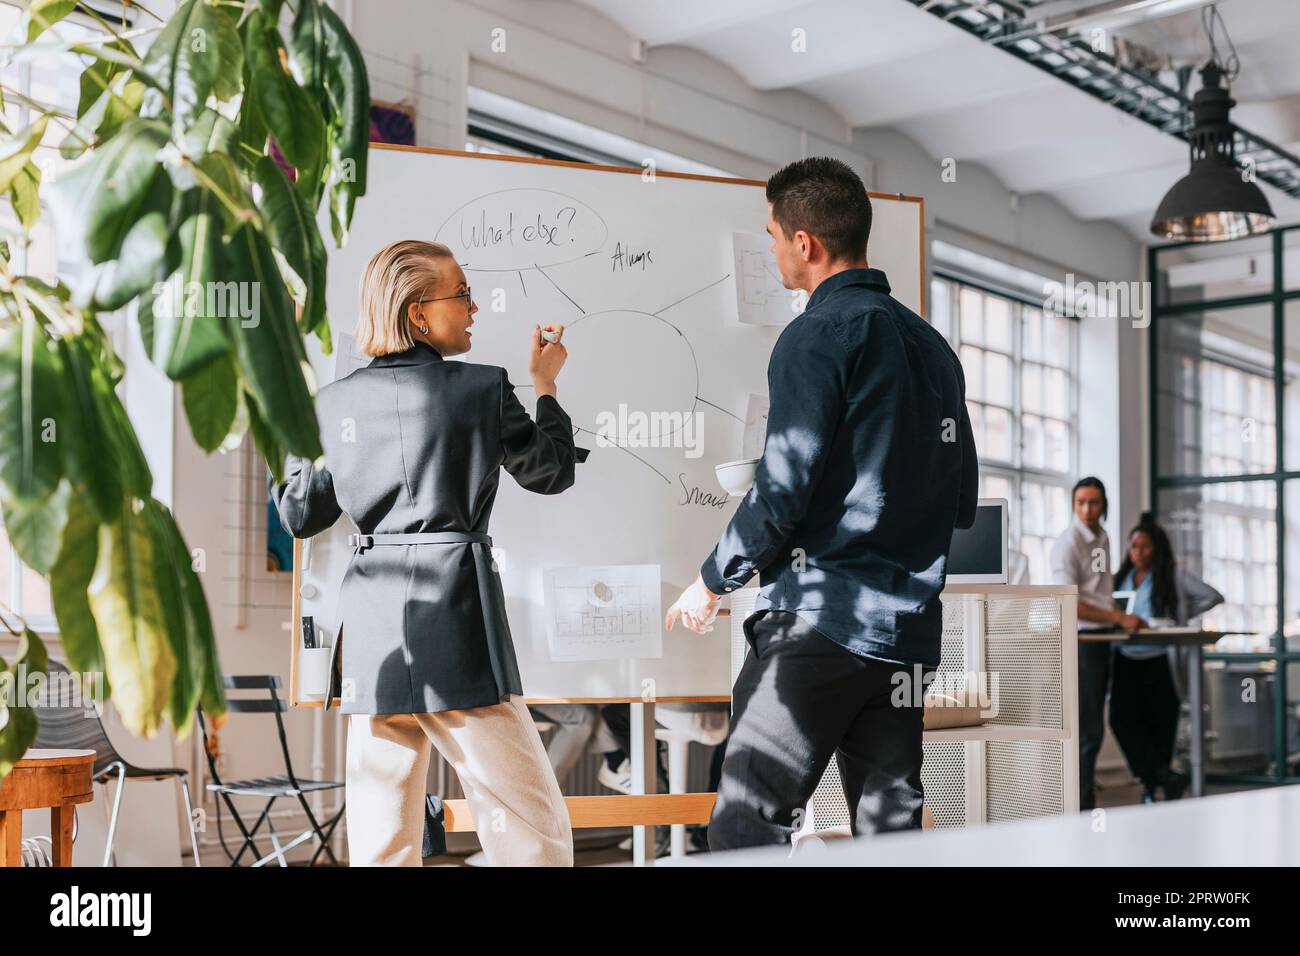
{"x":742,"y":605}
{"x":1023,"y":652}
{"x":1024,"y":779}
{"x":944,"y":777}
{"x":829,"y":808}
{"x":952,"y":650}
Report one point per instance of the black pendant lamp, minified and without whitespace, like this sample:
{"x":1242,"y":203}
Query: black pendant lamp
{"x":1213,"y":202}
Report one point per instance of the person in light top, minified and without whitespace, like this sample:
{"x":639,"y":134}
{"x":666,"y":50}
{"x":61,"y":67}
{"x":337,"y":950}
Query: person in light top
{"x":1144,"y":703}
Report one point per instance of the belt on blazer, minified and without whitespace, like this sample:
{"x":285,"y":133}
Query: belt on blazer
{"x":362,"y":542}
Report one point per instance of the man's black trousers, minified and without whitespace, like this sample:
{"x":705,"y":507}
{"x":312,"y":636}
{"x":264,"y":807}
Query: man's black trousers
{"x":800,"y":699}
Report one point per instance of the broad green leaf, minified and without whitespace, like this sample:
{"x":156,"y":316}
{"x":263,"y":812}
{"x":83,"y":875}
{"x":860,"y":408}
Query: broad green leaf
{"x":40,"y":15}
{"x":36,"y":529}
{"x":33,"y":653}
{"x":136,"y":476}
{"x":183,"y":325}
{"x":218,"y":174}
{"x":18,"y":721}
{"x":97,"y":77}
{"x":25,"y":195}
{"x":197,"y":54}
{"x":294,"y":233}
{"x":348,"y":85}
{"x":100,"y":200}
{"x":111,"y":53}
{"x":211,"y":399}
{"x":105,"y":115}
{"x":18,"y":728}
{"x":124,"y":599}
{"x":252,"y":128}
{"x":211,"y":132}
{"x":307,"y":51}
{"x":69,"y":581}
{"x":267,"y":443}
{"x":137,"y":480}
{"x":287,"y":110}
{"x":204,"y":663}
{"x":326,"y":337}
{"x":16,"y":151}
{"x":58,"y":290}
{"x":143,"y":260}
{"x":168,"y":555}
{"x":91,"y":456}
{"x":30,"y":412}
{"x":268,"y":347}
{"x":239,"y":428}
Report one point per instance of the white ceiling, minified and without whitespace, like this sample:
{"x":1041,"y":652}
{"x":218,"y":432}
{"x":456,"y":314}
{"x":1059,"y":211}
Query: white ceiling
{"x":886,"y":63}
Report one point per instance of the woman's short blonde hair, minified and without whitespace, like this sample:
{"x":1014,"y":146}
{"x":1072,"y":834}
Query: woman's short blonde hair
{"x":397,"y":275}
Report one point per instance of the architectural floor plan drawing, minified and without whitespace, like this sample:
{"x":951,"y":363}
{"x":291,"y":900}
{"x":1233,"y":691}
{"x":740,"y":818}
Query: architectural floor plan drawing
{"x":601,"y":613}
{"x":761,"y":299}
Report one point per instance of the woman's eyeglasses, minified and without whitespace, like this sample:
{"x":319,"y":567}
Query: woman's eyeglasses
{"x":466,"y":295}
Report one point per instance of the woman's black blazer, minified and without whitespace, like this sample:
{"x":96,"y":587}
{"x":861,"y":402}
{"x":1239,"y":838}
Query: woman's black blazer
{"x":414,"y":443}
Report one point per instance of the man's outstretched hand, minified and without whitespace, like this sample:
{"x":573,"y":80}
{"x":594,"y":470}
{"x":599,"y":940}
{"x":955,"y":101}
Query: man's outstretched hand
{"x":697,"y":608}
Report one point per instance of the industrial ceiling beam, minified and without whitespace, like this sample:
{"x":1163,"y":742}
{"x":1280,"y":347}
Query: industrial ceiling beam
{"x":1015,"y":29}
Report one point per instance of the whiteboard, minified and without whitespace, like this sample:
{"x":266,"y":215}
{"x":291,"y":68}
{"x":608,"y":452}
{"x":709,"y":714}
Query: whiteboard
{"x":642,"y":272}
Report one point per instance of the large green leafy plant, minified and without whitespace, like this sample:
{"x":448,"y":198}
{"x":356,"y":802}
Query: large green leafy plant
{"x":175,"y":202}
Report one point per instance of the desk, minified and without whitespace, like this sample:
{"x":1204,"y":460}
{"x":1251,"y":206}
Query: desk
{"x":58,"y":779}
{"x":1252,"y":828}
{"x":1194,"y":639}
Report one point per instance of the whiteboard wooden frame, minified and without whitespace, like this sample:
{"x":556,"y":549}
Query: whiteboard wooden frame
{"x":295,"y":630}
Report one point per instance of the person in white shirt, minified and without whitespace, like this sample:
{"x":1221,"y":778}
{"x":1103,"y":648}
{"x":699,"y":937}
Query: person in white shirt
{"x":1081,"y":556}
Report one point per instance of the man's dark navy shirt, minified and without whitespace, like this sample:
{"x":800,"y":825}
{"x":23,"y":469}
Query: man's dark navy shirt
{"x":868,"y":465}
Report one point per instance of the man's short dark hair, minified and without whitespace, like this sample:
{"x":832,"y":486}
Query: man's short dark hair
{"x":825,"y":198}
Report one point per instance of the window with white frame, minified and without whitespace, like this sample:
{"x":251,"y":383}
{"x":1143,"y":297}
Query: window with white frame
{"x":1021,"y":368}
{"x":499,"y":124}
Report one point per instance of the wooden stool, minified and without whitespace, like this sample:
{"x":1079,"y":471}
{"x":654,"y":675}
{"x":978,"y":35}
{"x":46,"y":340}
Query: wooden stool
{"x":57,"y":779}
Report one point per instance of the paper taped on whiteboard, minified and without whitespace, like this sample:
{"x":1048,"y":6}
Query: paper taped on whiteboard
{"x":761,"y":298}
{"x":603,"y":612}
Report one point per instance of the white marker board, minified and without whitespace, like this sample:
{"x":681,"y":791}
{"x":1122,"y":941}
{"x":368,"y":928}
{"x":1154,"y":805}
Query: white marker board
{"x":641,"y":273}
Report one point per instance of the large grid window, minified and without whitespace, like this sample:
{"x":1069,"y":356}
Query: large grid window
{"x":1021,"y":370}
{"x":1225,"y":359}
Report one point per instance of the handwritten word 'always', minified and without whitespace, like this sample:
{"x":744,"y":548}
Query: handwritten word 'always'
{"x":624,"y":258}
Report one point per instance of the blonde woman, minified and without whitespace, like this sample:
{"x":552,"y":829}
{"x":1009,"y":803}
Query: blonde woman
{"x":414,"y":447}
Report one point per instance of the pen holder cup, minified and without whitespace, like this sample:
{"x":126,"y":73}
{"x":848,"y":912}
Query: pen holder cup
{"x":313,"y":671}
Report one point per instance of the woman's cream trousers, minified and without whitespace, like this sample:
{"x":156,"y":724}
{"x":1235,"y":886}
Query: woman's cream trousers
{"x":498,"y":755}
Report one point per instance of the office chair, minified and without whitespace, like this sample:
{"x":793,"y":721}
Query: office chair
{"x":273,"y":788}
{"x":65,"y":721}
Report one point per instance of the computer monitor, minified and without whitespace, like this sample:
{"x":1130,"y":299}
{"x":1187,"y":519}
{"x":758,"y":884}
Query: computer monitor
{"x":978,"y":554}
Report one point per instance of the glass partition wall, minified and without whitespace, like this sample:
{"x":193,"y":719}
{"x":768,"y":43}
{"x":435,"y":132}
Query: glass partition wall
{"x":1225,"y":466}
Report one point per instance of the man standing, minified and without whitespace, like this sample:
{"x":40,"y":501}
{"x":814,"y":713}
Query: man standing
{"x":868,"y":465}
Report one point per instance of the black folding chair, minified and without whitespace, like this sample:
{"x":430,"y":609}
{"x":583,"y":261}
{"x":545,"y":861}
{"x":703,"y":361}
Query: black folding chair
{"x":273,"y":788}
{"x":67,"y":721}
